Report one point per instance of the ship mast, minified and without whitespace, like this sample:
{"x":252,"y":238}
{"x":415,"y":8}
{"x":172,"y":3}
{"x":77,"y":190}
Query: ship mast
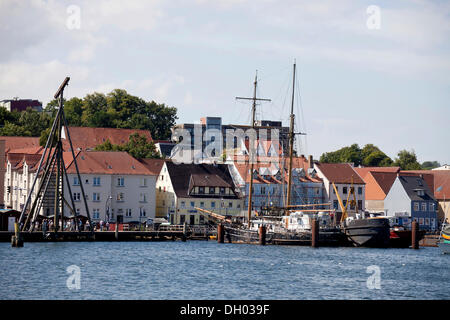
{"x":250,"y":190}
{"x":291,"y":142}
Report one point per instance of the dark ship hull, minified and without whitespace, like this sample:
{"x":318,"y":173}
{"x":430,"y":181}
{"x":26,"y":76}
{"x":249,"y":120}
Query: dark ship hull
{"x":371,"y":232}
{"x":327,"y":238}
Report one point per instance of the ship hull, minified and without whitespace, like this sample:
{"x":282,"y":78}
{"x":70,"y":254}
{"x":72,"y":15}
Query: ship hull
{"x":328,"y":238}
{"x":373,"y":233}
{"x":402,"y":238}
{"x":444,"y":246}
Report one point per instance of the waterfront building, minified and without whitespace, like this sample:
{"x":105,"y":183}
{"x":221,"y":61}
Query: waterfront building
{"x":114,"y":183}
{"x":210,"y":129}
{"x":17,"y":104}
{"x":344,"y":177}
{"x":181,"y":188}
{"x":270,"y":182}
{"x":378,"y":181}
{"x":411,"y":197}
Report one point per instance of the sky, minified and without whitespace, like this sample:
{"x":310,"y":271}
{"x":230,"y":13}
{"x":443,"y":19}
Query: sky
{"x":367,"y":71}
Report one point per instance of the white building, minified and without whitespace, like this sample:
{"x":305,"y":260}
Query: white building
{"x":114,"y":184}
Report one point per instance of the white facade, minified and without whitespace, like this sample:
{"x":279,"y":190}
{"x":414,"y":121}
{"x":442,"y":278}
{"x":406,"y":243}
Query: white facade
{"x":132,"y":196}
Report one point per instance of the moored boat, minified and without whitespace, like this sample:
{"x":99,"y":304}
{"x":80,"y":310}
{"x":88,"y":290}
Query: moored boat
{"x":444,"y":239}
{"x":400,"y":237}
{"x":368,"y":232}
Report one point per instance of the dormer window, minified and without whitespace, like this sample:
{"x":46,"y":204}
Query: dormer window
{"x":211,"y":190}
{"x":222,"y":190}
{"x":201,"y":190}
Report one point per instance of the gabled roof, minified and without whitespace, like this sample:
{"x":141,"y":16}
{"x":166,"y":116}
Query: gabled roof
{"x":88,"y":138}
{"x":154,"y":166}
{"x":365,"y":170}
{"x":441,"y":184}
{"x":378,"y":184}
{"x":19,"y":142}
{"x":105,"y":162}
{"x":181,"y":175}
{"x":413,"y":183}
{"x":340,"y":173}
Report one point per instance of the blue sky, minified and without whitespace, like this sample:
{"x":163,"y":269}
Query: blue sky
{"x":387,"y":86}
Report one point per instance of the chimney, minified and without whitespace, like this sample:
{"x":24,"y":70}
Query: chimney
{"x":310,"y":161}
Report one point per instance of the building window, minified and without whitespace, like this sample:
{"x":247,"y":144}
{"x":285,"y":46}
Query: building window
{"x":263,"y":190}
{"x":432,"y":209}
{"x":335,"y":204}
{"x":159,"y":188}
{"x":142,"y":212}
{"x":359,"y":190}
{"x":201,"y":190}
{"x":143,"y":182}
{"x":96,"y":181}
{"x":96,"y":214}
{"x":182,"y":219}
{"x":337,"y":188}
{"x":143,"y":197}
{"x":76,"y":182}
{"x":416,"y":206}
{"x":360,"y":206}
{"x":96,"y":196}
{"x":192,"y":204}
{"x":213,"y":204}
{"x":344,"y":190}
{"x":120,"y":182}
{"x":230,"y":204}
{"x":76,"y":196}
{"x":212,"y":190}
{"x":222,"y":190}
{"x":128,"y":213}
{"x":120,"y":197}
{"x":202,"y":204}
{"x":183,"y":204}
{"x":424,"y":206}
{"x":421,"y":221}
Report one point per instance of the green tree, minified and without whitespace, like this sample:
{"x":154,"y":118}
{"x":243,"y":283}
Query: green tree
{"x":138,"y":147}
{"x":428,"y":165}
{"x":407,"y":160}
{"x":372,"y":156}
{"x":345,"y":154}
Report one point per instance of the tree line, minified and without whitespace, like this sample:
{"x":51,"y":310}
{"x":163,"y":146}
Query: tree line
{"x":371,"y":156}
{"x":117,"y":109}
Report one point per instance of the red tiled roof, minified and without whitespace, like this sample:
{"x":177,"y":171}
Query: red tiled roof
{"x":105,"y":162}
{"x":365,"y":170}
{"x":340,"y":173}
{"x":441,"y":183}
{"x":153,"y":165}
{"x":19,"y":142}
{"x":88,"y":138}
{"x":378,"y":184}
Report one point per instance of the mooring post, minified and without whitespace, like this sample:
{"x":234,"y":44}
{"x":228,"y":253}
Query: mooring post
{"x":314,"y":233}
{"x":262,"y":235}
{"x":220,"y":233}
{"x":414,"y":230}
{"x":16,"y":239}
{"x":183,"y":237}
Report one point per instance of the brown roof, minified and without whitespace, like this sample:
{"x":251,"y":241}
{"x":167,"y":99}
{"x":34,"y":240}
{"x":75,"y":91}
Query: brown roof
{"x":441,"y":184}
{"x":180,"y":176}
{"x":378,"y":184}
{"x":153,"y":165}
{"x":105,"y":162}
{"x":19,"y":142}
{"x":340,"y":173}
{"x":365,"y":170}
{"x":89,"y":138}
{"x":207,"y":180}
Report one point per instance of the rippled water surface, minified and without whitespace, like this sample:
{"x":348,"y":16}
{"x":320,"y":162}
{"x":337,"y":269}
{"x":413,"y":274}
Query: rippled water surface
{"x":207,"y":270}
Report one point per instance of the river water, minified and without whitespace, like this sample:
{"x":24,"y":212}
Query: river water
{"x":208,"y":270}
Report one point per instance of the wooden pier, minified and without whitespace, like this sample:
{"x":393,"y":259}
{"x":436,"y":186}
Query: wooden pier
{"x":163,"y":234}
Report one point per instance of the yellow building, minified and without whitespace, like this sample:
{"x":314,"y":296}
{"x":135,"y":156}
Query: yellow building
{"x":181,"y":188}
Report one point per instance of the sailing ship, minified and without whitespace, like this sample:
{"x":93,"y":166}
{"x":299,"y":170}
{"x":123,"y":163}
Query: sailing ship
{"x":289,"y":224}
